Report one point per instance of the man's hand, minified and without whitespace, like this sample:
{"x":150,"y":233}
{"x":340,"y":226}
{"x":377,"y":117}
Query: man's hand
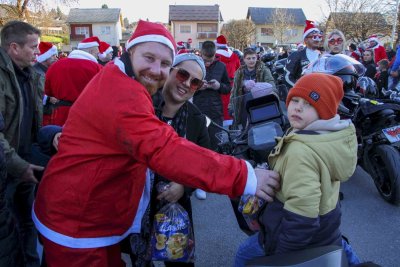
{"x":28,"y":175}
{"x":56,"y":139}
{"x":53,"y":100}
{"x":173,"y":192}
{"x":267,"y":184}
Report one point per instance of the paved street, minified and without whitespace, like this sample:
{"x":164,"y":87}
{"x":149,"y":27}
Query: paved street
{"x":371,"y":224}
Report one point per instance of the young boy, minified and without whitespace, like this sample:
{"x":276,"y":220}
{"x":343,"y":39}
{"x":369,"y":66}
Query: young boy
{"x":313,"y":157}
{"x":383,"y":78}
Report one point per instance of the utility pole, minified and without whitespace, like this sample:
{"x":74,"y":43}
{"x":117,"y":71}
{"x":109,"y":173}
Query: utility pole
{"x":395,"y":23}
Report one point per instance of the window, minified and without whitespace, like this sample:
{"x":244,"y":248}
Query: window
{"x":105,"y":30}
{"x":267,"y":32}
{"x":207,"y":27}
{"x":82,"y":31}
{"x":185,"y":29}
{"x":292,"y":32}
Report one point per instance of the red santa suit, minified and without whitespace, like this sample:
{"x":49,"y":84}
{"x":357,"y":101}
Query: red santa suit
{"x":94,"y":187}
{"x":65,"y":81}
{"x":379,"y":50}
{"x":232,"y":63}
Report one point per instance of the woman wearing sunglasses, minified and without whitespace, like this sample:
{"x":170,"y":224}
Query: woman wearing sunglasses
{"x":335,"y":42}
{"x":185,"y":78}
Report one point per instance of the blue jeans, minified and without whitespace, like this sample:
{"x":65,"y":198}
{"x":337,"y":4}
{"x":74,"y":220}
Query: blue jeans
{"x":248,"y":250}
{"x":251,"y":249}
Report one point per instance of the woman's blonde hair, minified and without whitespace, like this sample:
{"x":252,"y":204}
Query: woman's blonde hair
{"x":329,"y":36}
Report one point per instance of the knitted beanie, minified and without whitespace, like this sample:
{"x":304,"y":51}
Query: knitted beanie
{"x":323,"y":91}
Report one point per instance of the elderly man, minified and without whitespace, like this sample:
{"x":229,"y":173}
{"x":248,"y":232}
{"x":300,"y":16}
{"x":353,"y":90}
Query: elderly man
{"x":66,"y":78}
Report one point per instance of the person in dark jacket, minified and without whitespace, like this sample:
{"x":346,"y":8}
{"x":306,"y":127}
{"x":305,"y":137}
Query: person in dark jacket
{"x":369,"y":64}
{"x":10,"y":247}
{"x":175,"y":109}
{"x":208,"y":98}
{"x":298,"y":60}
{"x":21,"y":97}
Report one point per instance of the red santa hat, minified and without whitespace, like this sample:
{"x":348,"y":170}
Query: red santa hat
{"x":221,"y":41}
{"x":105,"y":48}
{"x":89,"y":42}
{"x":310,"y":27}
{"x":180,"y":44}
{"x":151,"y":32}
{"x":47,"y":50}
{"x":373,"y":37}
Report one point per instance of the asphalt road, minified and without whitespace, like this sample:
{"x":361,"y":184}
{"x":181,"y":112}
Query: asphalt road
{"x":371,"y":224}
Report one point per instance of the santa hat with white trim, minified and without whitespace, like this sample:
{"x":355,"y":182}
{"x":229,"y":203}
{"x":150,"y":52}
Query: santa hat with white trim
{"x":221,"y":41}
{"x":47,"y":50}
{"x":151,"y":32}
{"x":310,"y":27}
{"x":89,"y":42}
{"x":104,"y":49}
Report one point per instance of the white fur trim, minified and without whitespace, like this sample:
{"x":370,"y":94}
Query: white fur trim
{"x":103,"y":55}
{"x":224,"y":52}
{"x":308,"y":31}
{"x":48,"y":54}
{"x":220,"y":45}
{"x":87,"y":45}
{"x":151,"y":38}
{"x":79,"y":54}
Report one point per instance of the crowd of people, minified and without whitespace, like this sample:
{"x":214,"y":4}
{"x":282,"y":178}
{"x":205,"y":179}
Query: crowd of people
{"x":87,"y":140}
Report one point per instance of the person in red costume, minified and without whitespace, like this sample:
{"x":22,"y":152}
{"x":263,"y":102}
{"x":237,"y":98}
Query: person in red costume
{"x":96,"y":188}
{"x":232,"y":63}
{"x":66,"y":78}
{"x":379,"y":50}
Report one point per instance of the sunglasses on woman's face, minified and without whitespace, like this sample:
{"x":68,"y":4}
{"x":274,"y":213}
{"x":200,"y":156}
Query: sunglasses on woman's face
{"x":183,"y":75}
{"x":333,"y":41}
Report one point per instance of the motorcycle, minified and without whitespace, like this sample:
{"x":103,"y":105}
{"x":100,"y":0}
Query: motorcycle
{"x":377,"y":123}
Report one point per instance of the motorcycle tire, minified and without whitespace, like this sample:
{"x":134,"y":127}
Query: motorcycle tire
{"x":384,"y":166}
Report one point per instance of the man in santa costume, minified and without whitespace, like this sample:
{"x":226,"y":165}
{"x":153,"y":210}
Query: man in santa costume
{"x":95,"y":189}
{"x":232,"y":63}
{"x":66,"y":78}
{"x":105,"y":53}
{"x":46,"y":57}
{"x":377,"y":47}
{"x":298,"y":60}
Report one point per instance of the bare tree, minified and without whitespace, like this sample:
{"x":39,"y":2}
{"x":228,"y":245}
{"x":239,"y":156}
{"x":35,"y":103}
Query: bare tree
{"x":239,"y":33}
{"x":357,"y":19}
{"x":282,"y":24}
{"x":23,"y":7}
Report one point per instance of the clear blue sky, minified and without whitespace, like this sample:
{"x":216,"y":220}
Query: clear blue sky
{"x":157,"y":10}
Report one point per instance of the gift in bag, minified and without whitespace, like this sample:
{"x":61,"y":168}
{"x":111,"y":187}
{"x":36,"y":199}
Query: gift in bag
{"x":249,"y":206}
{"x":172,"y":236}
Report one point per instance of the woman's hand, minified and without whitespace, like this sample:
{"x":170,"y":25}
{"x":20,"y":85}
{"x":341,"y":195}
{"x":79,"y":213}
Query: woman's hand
{"x":173,"y":192}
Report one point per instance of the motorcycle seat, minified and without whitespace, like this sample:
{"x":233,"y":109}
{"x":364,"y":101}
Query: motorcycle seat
{"x":327,"y":256}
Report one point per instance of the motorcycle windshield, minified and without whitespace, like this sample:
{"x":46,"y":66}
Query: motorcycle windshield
{"x":332,"y":64}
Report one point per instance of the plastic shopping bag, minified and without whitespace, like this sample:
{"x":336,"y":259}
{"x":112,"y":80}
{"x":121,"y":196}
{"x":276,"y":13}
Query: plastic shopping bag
{"x":172,"y":237}
{"x":249,"y":206}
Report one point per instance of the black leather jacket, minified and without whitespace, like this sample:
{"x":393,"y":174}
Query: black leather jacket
{"x":294,"y":67}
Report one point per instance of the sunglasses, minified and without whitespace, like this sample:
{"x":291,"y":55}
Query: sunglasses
{"x":183,"y":75}
{"x":316,"y":37}
{"x":333,"y":41}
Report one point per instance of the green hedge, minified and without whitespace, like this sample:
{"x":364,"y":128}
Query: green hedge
{"x":55,"y":39}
